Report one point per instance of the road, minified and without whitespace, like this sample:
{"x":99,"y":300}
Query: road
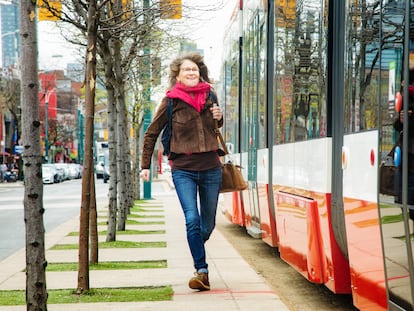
{"x":61,"y":202}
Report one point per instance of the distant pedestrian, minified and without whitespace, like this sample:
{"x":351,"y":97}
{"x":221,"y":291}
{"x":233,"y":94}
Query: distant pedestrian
{"x":195,"y":163}
{"x":3,"y":170}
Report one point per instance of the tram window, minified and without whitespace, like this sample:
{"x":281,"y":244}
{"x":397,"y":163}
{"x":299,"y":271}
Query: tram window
{"x":369,"y":68}
{"x":262,"y":89}
{"x":231,"y":87}
{"x":231,"y":120}
{"x":300,"y":72}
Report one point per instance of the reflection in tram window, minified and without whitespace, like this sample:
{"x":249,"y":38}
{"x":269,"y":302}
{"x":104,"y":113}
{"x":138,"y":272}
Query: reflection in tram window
{"x":398,"y":126}
{"x":300,"y":72}
{"x":231,"y":86}
{"x":397,"y":228}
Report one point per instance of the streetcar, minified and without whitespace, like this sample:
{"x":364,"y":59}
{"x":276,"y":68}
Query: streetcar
{"x":309,"y":91}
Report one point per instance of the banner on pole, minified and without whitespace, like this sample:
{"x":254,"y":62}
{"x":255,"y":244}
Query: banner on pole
{"x":49,"y":10}
{"x":171,"y":9}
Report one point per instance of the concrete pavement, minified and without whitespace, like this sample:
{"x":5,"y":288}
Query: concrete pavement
{"x":234,"y":284}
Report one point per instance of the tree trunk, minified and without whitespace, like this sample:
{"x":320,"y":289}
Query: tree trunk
{"x":129,"y":198}
{"x":136,"y":168}
{"x":122,"y":139}
{"x":36,"y":293}
{"x":105,"y":50}
{"x":122,"y":190}
{"x":90,"y":83}
{"x":93,"y":226}
{"x":113,"y":202}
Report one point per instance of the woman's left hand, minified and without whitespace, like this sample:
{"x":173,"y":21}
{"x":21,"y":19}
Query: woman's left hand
{"x":216,"y":111}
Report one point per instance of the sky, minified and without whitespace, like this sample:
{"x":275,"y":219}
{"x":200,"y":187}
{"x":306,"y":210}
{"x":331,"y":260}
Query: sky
{"x":54,"y":51}
{"x":207,"y":29}
{"x":209,"y":33}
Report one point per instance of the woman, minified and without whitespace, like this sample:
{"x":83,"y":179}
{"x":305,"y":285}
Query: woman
{"x":195,"y":163}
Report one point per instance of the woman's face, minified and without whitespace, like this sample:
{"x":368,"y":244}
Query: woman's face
{"x":189,"y":74}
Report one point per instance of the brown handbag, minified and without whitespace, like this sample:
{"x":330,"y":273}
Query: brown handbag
{"x":232,"y":178}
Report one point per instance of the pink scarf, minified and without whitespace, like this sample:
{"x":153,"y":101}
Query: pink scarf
{"x":195,"y":96}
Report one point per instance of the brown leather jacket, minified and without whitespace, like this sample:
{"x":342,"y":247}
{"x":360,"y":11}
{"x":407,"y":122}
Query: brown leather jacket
{"x":192,"y":132}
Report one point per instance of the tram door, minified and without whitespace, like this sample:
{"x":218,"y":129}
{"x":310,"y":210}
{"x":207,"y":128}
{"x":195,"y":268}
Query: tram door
{"x":254,"y":100}
{"x":396,"y":205}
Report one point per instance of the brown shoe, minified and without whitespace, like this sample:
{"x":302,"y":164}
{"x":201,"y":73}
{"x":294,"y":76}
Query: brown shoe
{"x":199,"y":281}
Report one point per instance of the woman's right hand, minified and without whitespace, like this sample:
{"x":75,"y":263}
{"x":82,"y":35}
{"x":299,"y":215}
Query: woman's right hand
{"x":145,"y":174}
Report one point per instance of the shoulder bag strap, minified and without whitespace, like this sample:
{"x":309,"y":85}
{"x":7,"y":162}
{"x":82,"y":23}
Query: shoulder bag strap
{"x":220,"y":137}
{"x":169,"y":113}
{"x":216,"y":129}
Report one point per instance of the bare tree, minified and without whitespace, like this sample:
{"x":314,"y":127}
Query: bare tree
{"x":122,"y":31}
{"x":90,"y":85}
{"x":36,"y":294}
{"x":93,"y":225}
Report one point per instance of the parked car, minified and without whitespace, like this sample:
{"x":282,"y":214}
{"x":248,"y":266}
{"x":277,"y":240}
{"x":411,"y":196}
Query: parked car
{"x":65,"y":168}
{"x":10,"y":176}
{"x":59,"y":174}
{"x":99,"y":170}
{"x":49,"y":174}
{"x":73,"y":171}
{"x":106,"y":176}
{"x":102,"y":171}
{"x":78,"y":169}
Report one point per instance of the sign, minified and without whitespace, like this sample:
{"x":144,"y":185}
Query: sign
{"x":49,"y":10}
{"x":171,"y":9}
{"x":18,"y":149}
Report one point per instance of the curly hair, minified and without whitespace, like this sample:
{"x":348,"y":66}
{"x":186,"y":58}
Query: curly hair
{"x":194,"y":57}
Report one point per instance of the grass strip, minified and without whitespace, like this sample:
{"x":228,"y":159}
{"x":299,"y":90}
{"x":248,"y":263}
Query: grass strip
{"x":136,"y":222}
{"x":127,"y":294}
{"x":126,"y":232}
{"x":389,"y":219}
{"x":133,"y":215}
{"x":146,"y":210}
{"x":145,"y":216}
{"x":108,"y":265}
{"x":114,"y":244}
{"x":147,"y":203}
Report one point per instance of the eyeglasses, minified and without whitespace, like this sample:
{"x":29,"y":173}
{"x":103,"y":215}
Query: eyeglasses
{"x":189,"y":69}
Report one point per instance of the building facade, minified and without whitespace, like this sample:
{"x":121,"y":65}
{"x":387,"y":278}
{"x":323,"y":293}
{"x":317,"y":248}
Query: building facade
{"x":9,"y":35}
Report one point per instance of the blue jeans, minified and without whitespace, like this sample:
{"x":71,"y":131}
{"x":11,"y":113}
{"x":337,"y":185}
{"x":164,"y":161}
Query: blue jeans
{"x":199,"y":222}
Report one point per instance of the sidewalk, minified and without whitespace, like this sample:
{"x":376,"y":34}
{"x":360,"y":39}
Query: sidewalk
{"x":234,"y":284}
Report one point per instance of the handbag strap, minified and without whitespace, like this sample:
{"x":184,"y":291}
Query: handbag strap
{"x":220,"y":137}
{"x":216,"y":128}
{"x":169,"y":113}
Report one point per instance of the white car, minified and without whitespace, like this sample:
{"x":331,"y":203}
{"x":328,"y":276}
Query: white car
{"x":102,"y":171}
{"x":49,"y":174}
